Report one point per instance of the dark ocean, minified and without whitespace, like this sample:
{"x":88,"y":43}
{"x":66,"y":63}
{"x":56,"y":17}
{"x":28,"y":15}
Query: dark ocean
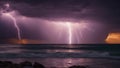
{"x":63,"y":56}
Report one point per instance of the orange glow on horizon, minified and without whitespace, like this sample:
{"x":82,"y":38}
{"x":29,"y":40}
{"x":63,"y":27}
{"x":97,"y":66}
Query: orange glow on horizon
{"x":113,"y":38}
{"x":25,"y":41}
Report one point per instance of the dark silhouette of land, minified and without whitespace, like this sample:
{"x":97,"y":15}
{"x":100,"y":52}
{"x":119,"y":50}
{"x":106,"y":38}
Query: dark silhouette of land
{"x":27,"y":64}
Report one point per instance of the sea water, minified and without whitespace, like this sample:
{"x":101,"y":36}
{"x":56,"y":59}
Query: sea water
{"x":63,"y":56}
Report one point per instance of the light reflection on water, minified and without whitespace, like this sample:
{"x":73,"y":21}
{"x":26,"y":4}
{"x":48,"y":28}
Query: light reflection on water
{"x":58,"y":62}
{"x":66,"y":62}
{"x":37,"y":48}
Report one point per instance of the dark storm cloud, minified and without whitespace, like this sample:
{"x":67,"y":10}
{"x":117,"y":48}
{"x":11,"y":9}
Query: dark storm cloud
{"x":107,"y":11}
{"x":102,"y":11}
{"x":53,"y":8}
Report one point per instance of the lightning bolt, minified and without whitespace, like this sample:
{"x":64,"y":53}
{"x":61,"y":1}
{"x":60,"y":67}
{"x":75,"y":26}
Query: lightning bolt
{"x":75,"y":31}
{"x":15,"y":24}
{"x":7,"y":13}
{"x":69,"y":25}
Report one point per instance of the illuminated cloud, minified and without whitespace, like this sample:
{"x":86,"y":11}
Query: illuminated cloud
{"x":113,"y":38}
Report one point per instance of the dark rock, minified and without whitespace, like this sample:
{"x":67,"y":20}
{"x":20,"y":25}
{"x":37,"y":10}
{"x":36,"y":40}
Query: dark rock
{"x":37,"y":65}
{"x":26,"y":63}
{"x":77,"y":66}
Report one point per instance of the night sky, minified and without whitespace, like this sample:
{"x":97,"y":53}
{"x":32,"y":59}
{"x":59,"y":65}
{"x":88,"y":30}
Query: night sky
{"x":105,"y":13}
